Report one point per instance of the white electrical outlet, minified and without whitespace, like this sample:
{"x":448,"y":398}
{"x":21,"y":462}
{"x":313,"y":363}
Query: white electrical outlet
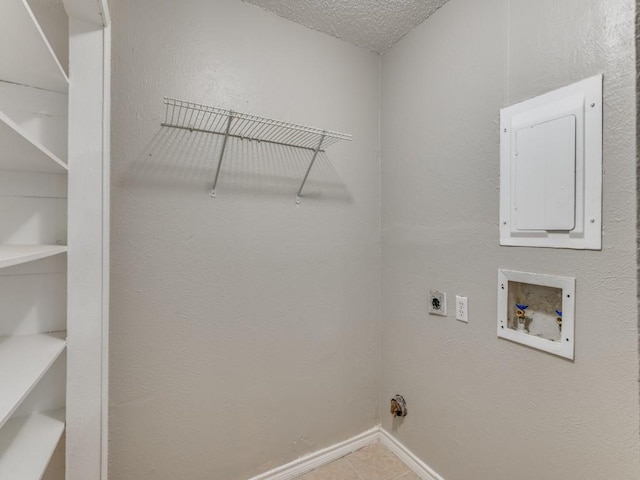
{"x":437,"y":303}
{"x":462,"y":309}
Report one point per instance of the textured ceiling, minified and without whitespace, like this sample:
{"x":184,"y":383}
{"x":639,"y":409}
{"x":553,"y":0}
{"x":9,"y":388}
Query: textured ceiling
{"x":371,"y":24}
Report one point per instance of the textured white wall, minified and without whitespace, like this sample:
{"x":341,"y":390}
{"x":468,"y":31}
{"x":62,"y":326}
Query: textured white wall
{"x":480,"y":407}
{"x":244,"y":329}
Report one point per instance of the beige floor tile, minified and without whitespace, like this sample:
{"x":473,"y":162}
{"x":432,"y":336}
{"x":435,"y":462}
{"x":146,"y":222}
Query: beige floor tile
{"x":376,"y":462}
{"x":338,"y":470}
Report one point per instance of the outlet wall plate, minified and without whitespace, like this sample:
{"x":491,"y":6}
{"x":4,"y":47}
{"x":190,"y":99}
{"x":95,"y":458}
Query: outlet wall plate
{"x":437,"y":303}
{"x":462,"y":309}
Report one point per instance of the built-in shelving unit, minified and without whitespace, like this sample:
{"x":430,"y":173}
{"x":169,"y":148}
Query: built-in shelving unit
{"x":46,"y":389}
{"x":26,"y":57}
{"x":33,"y":136}
{"x":24,"y":360}
{"x":21,"y":153}
{"x":11,"y":255}
{"x":196,"y":117}
{"x":27,"y":444}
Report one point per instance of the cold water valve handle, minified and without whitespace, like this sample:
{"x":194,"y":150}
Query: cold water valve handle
{"x":398,"y":406}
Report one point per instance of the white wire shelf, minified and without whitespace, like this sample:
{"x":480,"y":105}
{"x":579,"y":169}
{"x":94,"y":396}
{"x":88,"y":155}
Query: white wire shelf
{"x":196,"y":117}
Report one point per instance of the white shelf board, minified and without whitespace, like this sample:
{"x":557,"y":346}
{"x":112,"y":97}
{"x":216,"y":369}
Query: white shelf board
{"x":20,"y":153}
{"x":24,"y":360}
{"x":16,"y":254}
{"x":26,"y":57}
{"x":27,"y":444}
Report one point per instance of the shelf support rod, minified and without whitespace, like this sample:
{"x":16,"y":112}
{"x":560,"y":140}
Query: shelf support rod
{"x":304,"y":180}
{"x":224,"y":147}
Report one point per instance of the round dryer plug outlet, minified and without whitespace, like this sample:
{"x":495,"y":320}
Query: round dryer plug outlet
{"x":437,"y":303}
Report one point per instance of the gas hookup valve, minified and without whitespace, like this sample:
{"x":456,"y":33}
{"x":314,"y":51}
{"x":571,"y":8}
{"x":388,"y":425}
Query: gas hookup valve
{"x":398,"y":406}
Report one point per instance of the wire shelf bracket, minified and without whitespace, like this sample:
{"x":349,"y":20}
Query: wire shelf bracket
{"x":196,"y":117}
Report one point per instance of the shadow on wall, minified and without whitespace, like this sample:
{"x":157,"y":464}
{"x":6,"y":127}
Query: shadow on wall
{"x":187,"y":160}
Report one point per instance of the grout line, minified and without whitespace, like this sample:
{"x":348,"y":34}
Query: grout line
{"x":405,"y":474}
{"x":408,"y":470}
{"x":348,"y":459}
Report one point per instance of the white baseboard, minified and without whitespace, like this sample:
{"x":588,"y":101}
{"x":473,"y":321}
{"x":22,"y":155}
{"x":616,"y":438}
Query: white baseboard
{"x":322,"y":457}
{"x":310,"y":462}
{"x":408,"y":457}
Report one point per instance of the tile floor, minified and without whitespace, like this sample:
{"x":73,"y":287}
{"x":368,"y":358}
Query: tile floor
{"x":374,"y":462}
